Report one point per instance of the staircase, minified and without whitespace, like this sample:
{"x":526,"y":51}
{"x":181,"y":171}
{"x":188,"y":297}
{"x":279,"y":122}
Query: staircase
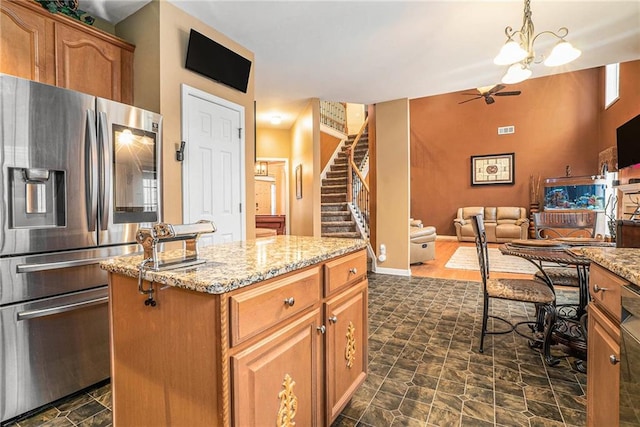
{"x":337,"y":220}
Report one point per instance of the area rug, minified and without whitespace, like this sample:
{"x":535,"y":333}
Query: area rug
{"x":466,"y":258}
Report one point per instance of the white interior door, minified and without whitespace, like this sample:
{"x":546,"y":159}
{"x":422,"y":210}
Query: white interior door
{"x":212,"y":170}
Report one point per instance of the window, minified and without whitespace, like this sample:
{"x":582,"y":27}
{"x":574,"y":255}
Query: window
{"x":611,"y":84}
{"x":150,"y":191}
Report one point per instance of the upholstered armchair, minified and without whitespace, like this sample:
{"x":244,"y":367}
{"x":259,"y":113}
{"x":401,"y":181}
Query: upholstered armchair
{"x":422,"y":241}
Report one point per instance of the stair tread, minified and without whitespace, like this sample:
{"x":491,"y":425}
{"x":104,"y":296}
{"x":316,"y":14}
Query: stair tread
{"x":337,"y":223}
{"x":353,"y":234}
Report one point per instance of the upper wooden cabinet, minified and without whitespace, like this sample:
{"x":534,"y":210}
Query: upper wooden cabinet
{"x":58,"y":50}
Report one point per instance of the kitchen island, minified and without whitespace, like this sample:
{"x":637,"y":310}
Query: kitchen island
{"x":269,"y":331}
{"x":611,"y":271}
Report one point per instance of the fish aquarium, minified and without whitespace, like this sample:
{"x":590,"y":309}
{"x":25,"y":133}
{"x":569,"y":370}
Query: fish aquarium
{"x":581,"y":192}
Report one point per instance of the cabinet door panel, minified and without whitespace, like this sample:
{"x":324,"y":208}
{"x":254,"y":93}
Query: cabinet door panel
{"x":603,"y":380}
{"x":267,"y":378}
{"x":346,"y":346}
{"x":23,"y":44}
{"x":87,"y":64}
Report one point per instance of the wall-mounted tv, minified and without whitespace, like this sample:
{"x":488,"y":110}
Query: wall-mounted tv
{"x":211,"y":59}
{"x":628,"y":143}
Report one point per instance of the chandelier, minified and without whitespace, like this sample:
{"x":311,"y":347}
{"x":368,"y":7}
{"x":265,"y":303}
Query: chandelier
{"x":520,"y":55}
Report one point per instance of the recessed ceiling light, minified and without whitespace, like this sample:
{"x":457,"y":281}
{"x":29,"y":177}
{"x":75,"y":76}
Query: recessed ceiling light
{"x":276,"y":120}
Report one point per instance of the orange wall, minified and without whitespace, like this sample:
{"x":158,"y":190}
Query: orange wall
{"x":273,"y":143}
{"x":625,"y":108}
{"x":328,"y":144}
{"x":305,"y":151}
{"x":392,"y":184}
{"x":556,"y":124}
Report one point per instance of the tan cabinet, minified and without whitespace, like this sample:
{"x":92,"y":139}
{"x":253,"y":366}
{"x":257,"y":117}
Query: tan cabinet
{"x":603,"y":348}
{"x":273,"y":353}
{"x":24,"y":44}
{"x":58,"y":50}
{"x":278,"y":377}
{"x":346,"y":346}
{"x":603,"y":379}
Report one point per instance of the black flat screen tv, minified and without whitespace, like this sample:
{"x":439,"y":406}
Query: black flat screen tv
{"x":211,"y":59}
{"x":628,"y":143}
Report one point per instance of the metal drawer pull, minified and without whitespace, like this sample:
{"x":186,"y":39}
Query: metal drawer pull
{"x":613,"y":359}
{"x":333,"y":319}
{"x":290,"y":301}
{"x":32,"y":314}
{"x":597,"y":289}
{"x":353,"y":270}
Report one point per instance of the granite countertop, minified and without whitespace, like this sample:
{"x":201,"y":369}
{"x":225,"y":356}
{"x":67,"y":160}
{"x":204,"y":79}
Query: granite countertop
{"x":625,"y":262}
{"x":234,"y":265}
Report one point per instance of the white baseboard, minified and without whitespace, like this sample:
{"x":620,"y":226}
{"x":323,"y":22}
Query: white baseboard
{"x":393,"y":271}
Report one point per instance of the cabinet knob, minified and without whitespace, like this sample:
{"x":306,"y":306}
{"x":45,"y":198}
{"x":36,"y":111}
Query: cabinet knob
{"x":597,"y":289}
{"x":322,"y":329}
{"x":353,"y":270}
{"x":613,"y":359}
{"x":333,"y":319}
{"x":290,"y":301}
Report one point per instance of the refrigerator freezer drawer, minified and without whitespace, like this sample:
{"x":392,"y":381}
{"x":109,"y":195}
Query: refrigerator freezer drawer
{"x":52,"y":347}
{"x":39,"y":276}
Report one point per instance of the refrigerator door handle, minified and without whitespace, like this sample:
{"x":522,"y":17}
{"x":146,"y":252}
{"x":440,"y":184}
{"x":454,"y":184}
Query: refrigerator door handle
{"x":33,"y":314}
{"x":105,"y":172}
{"x":91,"y":186}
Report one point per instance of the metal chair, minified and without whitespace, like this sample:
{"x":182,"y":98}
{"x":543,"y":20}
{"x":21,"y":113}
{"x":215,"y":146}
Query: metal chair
{"x":523,"y":290}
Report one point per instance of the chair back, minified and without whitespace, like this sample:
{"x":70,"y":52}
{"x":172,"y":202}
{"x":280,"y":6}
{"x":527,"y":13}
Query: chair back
{"x":549,"y":225}
{"x":477,"y":222}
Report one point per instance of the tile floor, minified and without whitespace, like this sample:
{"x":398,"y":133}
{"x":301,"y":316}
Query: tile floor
{"x":424,"y":368}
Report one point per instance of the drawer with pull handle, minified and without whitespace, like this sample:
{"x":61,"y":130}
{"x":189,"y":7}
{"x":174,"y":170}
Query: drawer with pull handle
{"x":343,"y":271}
{"x":256,"y":310}
{"x":604,"y":288}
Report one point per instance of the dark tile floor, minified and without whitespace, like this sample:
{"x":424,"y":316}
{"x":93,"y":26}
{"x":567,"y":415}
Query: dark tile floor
{"x":424,"y":368}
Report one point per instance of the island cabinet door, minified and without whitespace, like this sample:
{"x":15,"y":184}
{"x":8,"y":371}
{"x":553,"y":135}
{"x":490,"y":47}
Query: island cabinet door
{"x":603,"y":376}
{"x":276,"y":381}
{"x":345,"y":346}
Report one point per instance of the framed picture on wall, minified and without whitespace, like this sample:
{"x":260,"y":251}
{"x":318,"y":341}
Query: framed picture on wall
{"x":492,"y":169}
{"x":299,"y":181}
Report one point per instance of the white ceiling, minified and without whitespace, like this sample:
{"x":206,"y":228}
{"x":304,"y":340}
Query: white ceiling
{"x":373,"y":51}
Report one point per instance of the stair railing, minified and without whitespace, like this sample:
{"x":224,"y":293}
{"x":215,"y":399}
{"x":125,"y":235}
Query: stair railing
{"x":334,"y":115}
{"x":358,"y":194}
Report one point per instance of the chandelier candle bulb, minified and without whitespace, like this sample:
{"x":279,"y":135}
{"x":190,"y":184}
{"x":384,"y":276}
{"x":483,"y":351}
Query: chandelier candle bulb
{"x":521,"y":55}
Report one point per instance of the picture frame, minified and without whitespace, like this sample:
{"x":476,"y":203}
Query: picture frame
{"x":298,"y":177}
{"x":493,"y":169}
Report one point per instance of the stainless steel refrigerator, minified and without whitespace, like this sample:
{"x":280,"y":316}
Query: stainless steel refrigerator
{"x":79,"y":175}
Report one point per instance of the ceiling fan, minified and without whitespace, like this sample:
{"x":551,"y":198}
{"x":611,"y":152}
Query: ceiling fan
{"x":488,"y":92}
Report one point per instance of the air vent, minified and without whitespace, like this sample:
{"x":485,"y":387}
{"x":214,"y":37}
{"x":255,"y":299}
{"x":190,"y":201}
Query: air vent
{"x":505,"y":130}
